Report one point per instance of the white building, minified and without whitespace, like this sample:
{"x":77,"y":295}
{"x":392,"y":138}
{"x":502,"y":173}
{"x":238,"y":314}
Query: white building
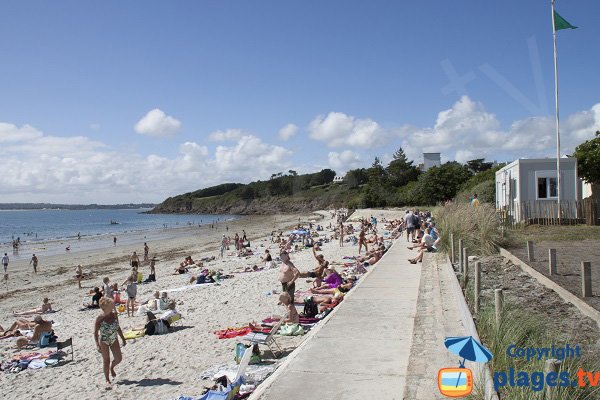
{"x":339,"y":179}
{"x":527,"y":188}
{"x":431,"y":160}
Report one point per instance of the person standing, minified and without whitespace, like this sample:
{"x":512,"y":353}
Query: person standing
{"x":134,"y":260}
{"x":114,"y":240}
{"x":146,"y":251}
{"x":288,"y":273}
{"x":475,"y":202}
{"x":223,"y":245}
{"x":79,"y":274}
{"x":106,"y":334}
{"x":341,"y":234}
{"x":5,"y":262}
{"x":34,"y":262}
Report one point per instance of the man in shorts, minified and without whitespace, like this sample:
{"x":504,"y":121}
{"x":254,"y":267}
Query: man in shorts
{"x":134,"y":260}
{"x":410,"y":225}
{"x":5,"y":262}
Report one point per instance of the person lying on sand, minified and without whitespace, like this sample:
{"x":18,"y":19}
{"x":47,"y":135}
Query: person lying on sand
{"x":332,"y":280}
{"x":342,"y":289}
{"x":20,"y":324}
{"x":44,"y":309}
{"x":203,"y":277}
{"x":40,"y":326}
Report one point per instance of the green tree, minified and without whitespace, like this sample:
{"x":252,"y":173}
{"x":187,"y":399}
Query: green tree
{"x":441,"y":183}
{"x":356,"y":177}
{"x":401,"y":171}
{"x":478,"y":165}
{"x":588,"y":160}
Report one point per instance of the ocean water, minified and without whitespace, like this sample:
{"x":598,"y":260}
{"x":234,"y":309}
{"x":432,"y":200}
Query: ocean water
{"x":47,"y":225}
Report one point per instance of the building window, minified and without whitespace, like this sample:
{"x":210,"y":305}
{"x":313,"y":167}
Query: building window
{"x":547,"y":188}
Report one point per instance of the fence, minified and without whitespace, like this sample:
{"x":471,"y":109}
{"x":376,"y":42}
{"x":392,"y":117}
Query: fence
{"x":545,"y":212}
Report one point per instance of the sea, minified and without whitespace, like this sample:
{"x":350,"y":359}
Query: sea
{"x":76,"y":227}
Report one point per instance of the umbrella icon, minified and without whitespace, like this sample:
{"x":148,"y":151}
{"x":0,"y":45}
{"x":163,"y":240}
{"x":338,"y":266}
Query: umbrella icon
{"x":469,"y":349}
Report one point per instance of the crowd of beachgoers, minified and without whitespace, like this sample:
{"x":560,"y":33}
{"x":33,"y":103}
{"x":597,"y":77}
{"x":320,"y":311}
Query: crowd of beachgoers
{"x":185,"y":316}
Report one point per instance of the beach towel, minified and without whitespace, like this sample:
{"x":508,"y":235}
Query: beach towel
{"x":291,"y":330}
{"x":181,"y":289}
{"x":133,"y":334}
{"x":235,"y":332}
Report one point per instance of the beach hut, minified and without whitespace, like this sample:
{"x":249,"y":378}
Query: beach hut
{"x":526,"y":189}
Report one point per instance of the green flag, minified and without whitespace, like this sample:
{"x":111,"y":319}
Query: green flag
{"x":561,"y":23}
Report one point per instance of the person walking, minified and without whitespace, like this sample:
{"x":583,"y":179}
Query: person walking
{"x":34,"y":262}
{"x":106,"y":334}
{"x":5,"y":262}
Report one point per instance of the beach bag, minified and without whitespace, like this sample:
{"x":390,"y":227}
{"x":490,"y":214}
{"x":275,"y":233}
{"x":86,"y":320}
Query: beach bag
{"x":240,"y":348}
{"x":160,"y":327}
{"x":310,"y":308}
{"x":45,"y":338}
{"x":291,"y":330}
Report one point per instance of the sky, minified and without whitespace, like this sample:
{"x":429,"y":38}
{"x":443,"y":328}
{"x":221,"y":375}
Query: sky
{"x":116,"y":102}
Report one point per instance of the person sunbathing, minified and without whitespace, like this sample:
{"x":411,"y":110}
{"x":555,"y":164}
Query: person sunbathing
{"x":292,"y":316}
{"x":343,"y":288}
{"x":20,"y":324}
{"x":41,"y":326}
{"x":44,"y":309}
{"x":204,"y":277}
{"x":332,"y":280}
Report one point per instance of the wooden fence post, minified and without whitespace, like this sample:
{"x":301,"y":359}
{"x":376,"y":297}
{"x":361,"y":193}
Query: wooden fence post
{"x":552,"y":262}
{"x":465,"y":264}
{"x":586,"y":278}
{"x":477,"y":287}
{"x":460,"y":249}
{"x":452,"y":248}
{"x":552,"y":365}
{"x":466,"y":268}
{"x":499,"y":302}
{"x":530,"y":251}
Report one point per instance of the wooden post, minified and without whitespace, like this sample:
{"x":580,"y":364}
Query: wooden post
{"x":530,"y":253}
{"x":552,"y":262}
{"x":477,"y":287}
{"x":465,"y":264}
{"x":552,"y":365}
{"x":466,"y":268}
{"x":460,"y":249}
{"x":452,"y":258}
{"x":499,"y":302}
{"x":586,"y":278}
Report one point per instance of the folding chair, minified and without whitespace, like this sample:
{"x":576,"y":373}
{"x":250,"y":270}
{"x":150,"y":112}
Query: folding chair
{"x":266,"y":339}
{"x":64,"y":345}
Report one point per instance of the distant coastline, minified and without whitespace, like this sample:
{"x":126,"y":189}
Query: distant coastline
{"x":51,"y":206}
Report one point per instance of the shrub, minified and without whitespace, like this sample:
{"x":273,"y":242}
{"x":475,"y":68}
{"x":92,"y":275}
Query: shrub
{"x":478,"y":227}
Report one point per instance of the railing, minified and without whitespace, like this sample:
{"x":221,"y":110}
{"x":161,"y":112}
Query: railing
{"x":545,"y":212}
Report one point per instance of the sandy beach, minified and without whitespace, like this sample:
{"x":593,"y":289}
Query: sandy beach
{"x":162,"y":366}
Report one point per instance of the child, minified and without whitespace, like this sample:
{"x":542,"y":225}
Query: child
{"x":131,"y":294}
{"x":292,"y":316}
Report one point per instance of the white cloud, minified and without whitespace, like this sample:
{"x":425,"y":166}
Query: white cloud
{"x":38,"y":167}
{"x":288,"y":131}
{"x":467,"y":131}
{"x":338,"y":129}
{"x":228,"y":135}
{"x":11,"y":133}
{"x":342,"y":162}
{"x":157,"y":123}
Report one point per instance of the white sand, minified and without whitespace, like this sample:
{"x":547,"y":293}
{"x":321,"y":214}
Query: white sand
{"x":162,"y":366}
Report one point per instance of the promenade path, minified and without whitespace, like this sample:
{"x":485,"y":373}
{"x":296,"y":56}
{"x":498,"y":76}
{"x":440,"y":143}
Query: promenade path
{"x":384,"y":341}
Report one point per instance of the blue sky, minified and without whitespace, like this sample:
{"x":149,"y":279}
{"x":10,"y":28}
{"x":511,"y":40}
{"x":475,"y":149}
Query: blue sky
{"x":350,"y":79}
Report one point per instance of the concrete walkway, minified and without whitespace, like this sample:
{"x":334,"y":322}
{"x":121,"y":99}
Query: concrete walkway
{"x":362,"y":351}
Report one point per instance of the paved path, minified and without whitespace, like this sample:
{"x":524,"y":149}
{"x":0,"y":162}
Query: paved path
{"x":362,"y":351}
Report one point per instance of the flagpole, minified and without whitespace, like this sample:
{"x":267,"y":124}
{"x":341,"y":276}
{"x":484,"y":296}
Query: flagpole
{"x":557,"y":119}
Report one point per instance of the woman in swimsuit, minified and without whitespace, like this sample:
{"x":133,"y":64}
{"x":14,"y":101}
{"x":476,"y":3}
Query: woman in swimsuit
{"x":106,"y":333}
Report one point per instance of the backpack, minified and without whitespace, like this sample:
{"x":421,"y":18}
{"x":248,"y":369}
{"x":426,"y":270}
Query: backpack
{"x":310,"y":308}
{"x":415,"y":221}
